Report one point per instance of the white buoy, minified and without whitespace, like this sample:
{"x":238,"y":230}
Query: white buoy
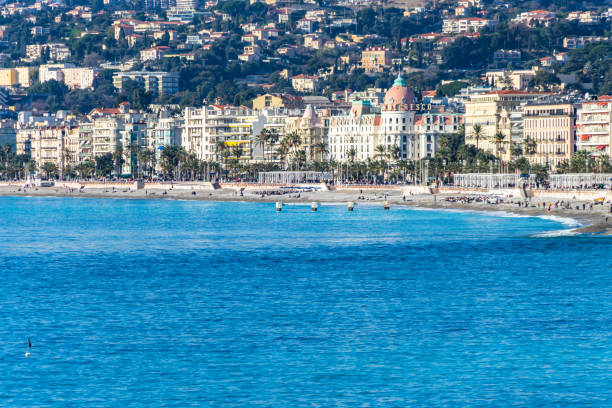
{"x":314,"y":206}
{"x":351,"y":205}
{"x":386,"y":205}
{"x":279,"y":206}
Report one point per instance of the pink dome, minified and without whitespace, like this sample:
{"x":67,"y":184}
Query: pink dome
{"x":310,"y":117}
{"x":398,"y":96}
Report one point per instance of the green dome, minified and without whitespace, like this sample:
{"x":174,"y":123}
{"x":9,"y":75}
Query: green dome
{"x":399,"y":81}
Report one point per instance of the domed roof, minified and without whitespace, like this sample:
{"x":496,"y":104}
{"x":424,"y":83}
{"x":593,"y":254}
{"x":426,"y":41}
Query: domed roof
{"x":398,"y":94}
{"x":310,"y":117}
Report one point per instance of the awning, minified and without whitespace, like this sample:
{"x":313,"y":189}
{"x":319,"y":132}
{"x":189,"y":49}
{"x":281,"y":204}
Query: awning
{"x":236,"y":142}
{"x":601,"y":147}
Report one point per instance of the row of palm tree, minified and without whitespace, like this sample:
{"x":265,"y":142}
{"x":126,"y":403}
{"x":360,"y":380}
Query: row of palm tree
{"x":498,"y":139}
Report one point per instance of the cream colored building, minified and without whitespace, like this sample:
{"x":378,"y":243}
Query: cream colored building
{"x":73,"y":77}
{"x":277,"y":101}
{"x":312,"y":131}
{"x":234,"y":125}
{"x":305,"y":83}
{"x":15,"y":76}
{"x":57,"y":51}
{"x":493,"y":111}
{"x":464,"y":25}
{"x":106,"y":135}
{"x":79,"y":78}
{"x":518,"y":79}
{"x":551,"y":126}
{"x":44,"y":145}
{"x":375,"y":59}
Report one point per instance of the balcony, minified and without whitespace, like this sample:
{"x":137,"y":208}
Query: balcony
{"x":602,"y":130}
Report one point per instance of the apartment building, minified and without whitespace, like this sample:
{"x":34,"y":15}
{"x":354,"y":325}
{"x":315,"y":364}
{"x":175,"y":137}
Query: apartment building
{"x":85,"y":145}
{"x":8,"y":133}
{"x":19,"y":76}
{"x":428,"y":126}
{"x":464,"y":25}
{"x":73,"y":77}
{"x":57,"y":51}
{"x":154,"y":53}
{"x":584,"y":17}
{"x":593,"y":130}
{"x":305,"y":83}
{"x":43,"y":144}
{"x":375,"y":59}
{"x":106,"y":135}
{"x":517,"y":79}
{"x":552,"y":127}
{"x":507,"y":56}
{"x":236,"y":126}
{"x":154,"y":82}
{"x":493,"y":112}
{"x":80,"y":78}
{"x":572,"y":43}
{"x":133,"y":138}
{"x":536,"y":17}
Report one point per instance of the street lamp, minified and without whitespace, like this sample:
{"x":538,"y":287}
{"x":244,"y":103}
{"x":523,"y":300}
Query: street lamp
{"x":586,"y":164}
{"x":444,"y":174}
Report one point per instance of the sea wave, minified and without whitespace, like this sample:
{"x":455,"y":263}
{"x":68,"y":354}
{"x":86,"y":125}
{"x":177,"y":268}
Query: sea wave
{"x":557,"y":233}
{"x":566,"y":221}
{"x":570,"y":222}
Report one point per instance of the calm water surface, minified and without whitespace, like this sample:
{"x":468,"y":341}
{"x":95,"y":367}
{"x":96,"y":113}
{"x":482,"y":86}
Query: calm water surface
{"x":179,"y":304}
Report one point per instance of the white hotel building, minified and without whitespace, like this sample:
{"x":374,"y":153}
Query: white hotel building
{"x":398,"y":124}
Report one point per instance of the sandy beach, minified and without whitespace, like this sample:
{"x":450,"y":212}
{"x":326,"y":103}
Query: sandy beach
{"x":593,"y":219}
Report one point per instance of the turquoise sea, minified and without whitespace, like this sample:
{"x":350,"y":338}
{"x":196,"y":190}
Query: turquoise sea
{"x":133,"y":303}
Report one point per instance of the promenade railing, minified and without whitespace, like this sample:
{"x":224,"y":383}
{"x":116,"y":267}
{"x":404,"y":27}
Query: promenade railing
{"x":489,"y":180}
{"x":293,"y":177}
{"x":580,"y":180}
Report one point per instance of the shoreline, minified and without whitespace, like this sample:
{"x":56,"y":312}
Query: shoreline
{"x":595,"y":222}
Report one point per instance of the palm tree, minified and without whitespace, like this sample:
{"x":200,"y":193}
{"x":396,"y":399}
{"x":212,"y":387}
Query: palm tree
{"x":351,"y":153}
{"x":477,"y":133}
{"x":118,"y":160}
{"x":530,"y":145}
{"x":403,"y":165}
{"x":381,"y":155}
{"x":50,"y":169}
{"x":65,"y":154}
{"x":220,"y":146}
{"x":395,"y":152}
{"x":381,"y":152}
{"x":146,"y":158}
{"x":294,"y":141}
{"x":85,"y":169}
{"x":498,"y":139}
{"x":283,"y":151}
{"x":273,"y":138}
{"x":262,"y":138}
{"x":299,"y":158}
{"x":515,"y":150}
{"x":221,"y":152}
{"x":237,"y":152}
{"x":321,"y":148}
